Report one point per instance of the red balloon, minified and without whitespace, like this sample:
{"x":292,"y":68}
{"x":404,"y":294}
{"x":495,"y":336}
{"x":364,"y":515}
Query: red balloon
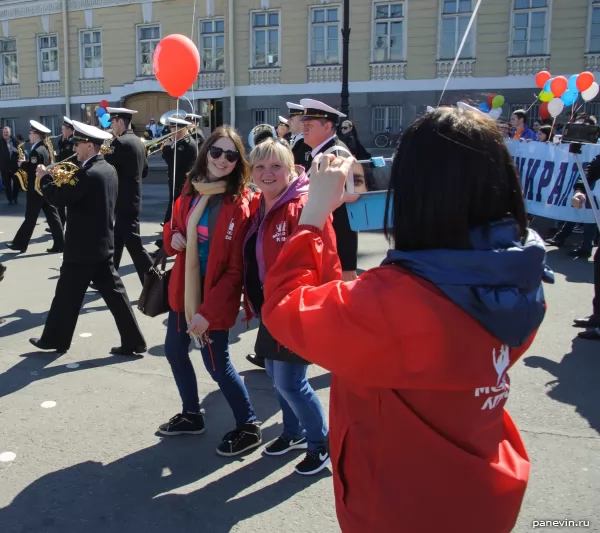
{"x":542,"y":78}
{"x":491,"y":100}
{"x":104,"y":104}
{"x":176,"y":64}
{"x":559,"y":86}
{"x":544,"y":113}
{"x":585,"y":81}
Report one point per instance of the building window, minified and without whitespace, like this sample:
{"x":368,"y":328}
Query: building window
{"x":212,"y":45}
{"x":10,"y":123}
{"x":325,"y":36}
{"x":268,"y":115}
{"x":594,"y":44}
{"x":9,"y":75}
{"x":265,"y":38}
{"x":388,"y":37}
{"x":456,"y":15}
{"x":48,"y":58}
{"x":529,"y":28}
{"x":51,"y":123}
{"x":386,"y":118}
{"x":148,"y":39}
{"x":91,"y":54}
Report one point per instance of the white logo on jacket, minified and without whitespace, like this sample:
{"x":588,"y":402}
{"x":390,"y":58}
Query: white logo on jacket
{"x":501,"y":362}
{"x":281,"y":232}
{"x":229,"y":234}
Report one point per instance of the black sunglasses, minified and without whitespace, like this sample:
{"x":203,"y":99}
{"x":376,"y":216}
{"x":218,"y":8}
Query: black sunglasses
{"x":231,"y":155}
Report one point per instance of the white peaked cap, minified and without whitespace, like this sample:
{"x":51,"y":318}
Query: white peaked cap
{"x":291,"y":105}
{"x":283,"y":120}
{"x":179,"y":121}
{"x":316,"y":109}
{"x":39,"y":127}
{"x":87,"y":133}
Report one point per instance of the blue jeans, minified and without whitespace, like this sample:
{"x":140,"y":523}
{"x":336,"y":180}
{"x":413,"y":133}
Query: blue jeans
{"x":217,"y":362}
{"x":303,"y":415}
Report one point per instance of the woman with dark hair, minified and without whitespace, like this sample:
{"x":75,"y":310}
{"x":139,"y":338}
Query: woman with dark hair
{"x":419,"y":435}
{"x":349,"y":136}
{"x":210,"y":221}
{"x":544,"y":134}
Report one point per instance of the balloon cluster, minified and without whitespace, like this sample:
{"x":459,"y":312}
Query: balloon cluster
{"x":103,"y":115}
{"x":493,"y":106}
{"x":559,"y":92}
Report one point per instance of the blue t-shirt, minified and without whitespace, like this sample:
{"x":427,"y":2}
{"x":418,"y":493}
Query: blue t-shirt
{"x":203,"y":241}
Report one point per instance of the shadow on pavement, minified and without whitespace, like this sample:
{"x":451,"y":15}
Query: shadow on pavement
{"x":576,"y":380}
{"x":575,"y":270}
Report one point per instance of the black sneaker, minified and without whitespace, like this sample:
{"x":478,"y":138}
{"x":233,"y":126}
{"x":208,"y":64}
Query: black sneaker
{"x":184,"y":424}
{"x":240,"y":440}
{"x":314,"y":462}
{"x":283,"y":445}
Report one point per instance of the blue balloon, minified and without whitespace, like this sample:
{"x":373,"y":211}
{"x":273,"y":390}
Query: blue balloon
{"x":547,"y":88}
{"x":105,"y":120}
{"x":573,"y":83}
{"x":569,"y":97}
{"x":100,"y":112}
{"x":484,"y":107}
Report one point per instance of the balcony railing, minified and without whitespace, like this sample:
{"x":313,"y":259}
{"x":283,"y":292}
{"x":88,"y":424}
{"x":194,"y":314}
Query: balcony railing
{"x":265,"y":76}
{"x":10,"y":92}
{"x":211,"y":80}
{"x":388,"y":71}
{"x":91,"y":86}
{"x":49,"y":88}
{"x":324,"y":73}
{"x":464,"y":68}
{"x":592,"y":62}
{"x":526,"y":66}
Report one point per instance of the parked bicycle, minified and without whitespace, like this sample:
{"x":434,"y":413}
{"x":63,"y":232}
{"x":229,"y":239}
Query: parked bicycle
{"x":383,"y":140}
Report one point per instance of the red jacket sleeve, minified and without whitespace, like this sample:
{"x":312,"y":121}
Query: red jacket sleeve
{"x":224,"y":298}
{"x":168,"y":232}
{"x":336,"y":325}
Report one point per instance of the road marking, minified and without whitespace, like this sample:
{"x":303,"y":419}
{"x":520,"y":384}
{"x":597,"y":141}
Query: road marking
{"x":49,"y":404}
{"x":7,"y":457}
{"x":73,"y":365}
{"x":85,"y":335}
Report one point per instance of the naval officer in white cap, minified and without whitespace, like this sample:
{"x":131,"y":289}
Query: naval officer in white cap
{"x":319,"y":123}
{"x":65,"y":151}
{"x":299,"y":148}
{"x":129,"y":159}
{"x":283,"y":129}
{"x":41,"y":153}
{"x":90,"y":197}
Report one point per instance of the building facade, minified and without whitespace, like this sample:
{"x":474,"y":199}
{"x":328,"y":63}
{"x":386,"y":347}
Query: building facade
{"x":65,"y":56}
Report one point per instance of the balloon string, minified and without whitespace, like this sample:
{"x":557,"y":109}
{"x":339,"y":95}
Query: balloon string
{"x":174,"y":168}
{"x":460,"y":49}
{"x":194,"y":21}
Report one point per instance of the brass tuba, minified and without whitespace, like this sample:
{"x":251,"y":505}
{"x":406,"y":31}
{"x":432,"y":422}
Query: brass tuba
{"x":21,"y":174}
{"x":62,"y":173}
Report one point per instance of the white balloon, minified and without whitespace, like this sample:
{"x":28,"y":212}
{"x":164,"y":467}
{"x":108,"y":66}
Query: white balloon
{"x":555,"y":107}
{"x":495,"y":113}
{"x":591,"y":93}
{"x":82,"y":106}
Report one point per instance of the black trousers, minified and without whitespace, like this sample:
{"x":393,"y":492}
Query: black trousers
{"x":72,"y":284}
{"x":11,"y":186}
{"x":597,"y":282}
{"x":62,"y":213}
{"x":35,"y":204}
{"x":127,"y":235}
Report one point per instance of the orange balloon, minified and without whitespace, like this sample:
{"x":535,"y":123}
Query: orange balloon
{"x":559,"y":86}
{"x":542,"y":78}
{"x":176,"y":64}
{"x":585,"y":81}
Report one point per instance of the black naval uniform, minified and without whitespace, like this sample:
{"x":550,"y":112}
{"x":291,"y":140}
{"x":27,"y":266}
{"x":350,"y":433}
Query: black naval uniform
{"x":129,"y":160}
{"x":88,"y":257}
{"x":347,"y":240}
{"x":187,"y":153}
{"x":301,"y":151}
{"x":35,"y":203}
{"x":65,"y":150}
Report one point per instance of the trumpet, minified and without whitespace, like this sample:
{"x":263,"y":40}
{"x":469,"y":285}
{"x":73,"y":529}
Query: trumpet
{"x":62,"y":173}
{"x":155,"y":146}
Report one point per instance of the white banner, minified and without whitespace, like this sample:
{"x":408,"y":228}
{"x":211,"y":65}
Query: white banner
{"x":548,"y":173}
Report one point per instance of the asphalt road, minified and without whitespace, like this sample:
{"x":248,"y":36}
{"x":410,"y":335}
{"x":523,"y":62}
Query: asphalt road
{"x":92,"y":463}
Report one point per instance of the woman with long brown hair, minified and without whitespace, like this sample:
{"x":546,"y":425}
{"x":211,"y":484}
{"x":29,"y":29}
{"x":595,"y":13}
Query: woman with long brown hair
{"x":210,"y":220}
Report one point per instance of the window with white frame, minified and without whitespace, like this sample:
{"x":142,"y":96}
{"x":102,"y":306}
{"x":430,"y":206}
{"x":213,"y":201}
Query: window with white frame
{"x":9,"y":75}
{"x":456,"y":15}
{"x":269,"y":115}
{"x":530,"y":20}
{"x":91,"y":54}
{"x":386,"y":118}
{"x":324,"y":36}
{"x":148,"y":39}
{"x":594,"y":44}
{"x":265,"y":39}
{"x":10,"y":123}
{"x":51,"y":123}
{"x":212,"y":45}
{"x":388,"y":34}
{"x":48,"y":58}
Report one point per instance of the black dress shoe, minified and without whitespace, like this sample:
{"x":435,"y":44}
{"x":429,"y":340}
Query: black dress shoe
{"x":590,"y":334}
{"x":121,"y":350}
{"x":48,"y":230}
{"x":41,"y":345}
{"x":55,"y":250}
{"x":581,"y":253}
{"x":255,"y":360}
{"x":11,"y":246}
{"x":592,"y":321}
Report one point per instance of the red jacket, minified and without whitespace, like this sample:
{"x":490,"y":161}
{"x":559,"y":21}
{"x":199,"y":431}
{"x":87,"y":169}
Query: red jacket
{"x":420,"y":440}
{"x":223,"y":281}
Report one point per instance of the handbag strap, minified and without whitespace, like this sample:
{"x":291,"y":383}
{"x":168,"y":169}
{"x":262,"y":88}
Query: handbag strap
{"x":161,"y":259}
